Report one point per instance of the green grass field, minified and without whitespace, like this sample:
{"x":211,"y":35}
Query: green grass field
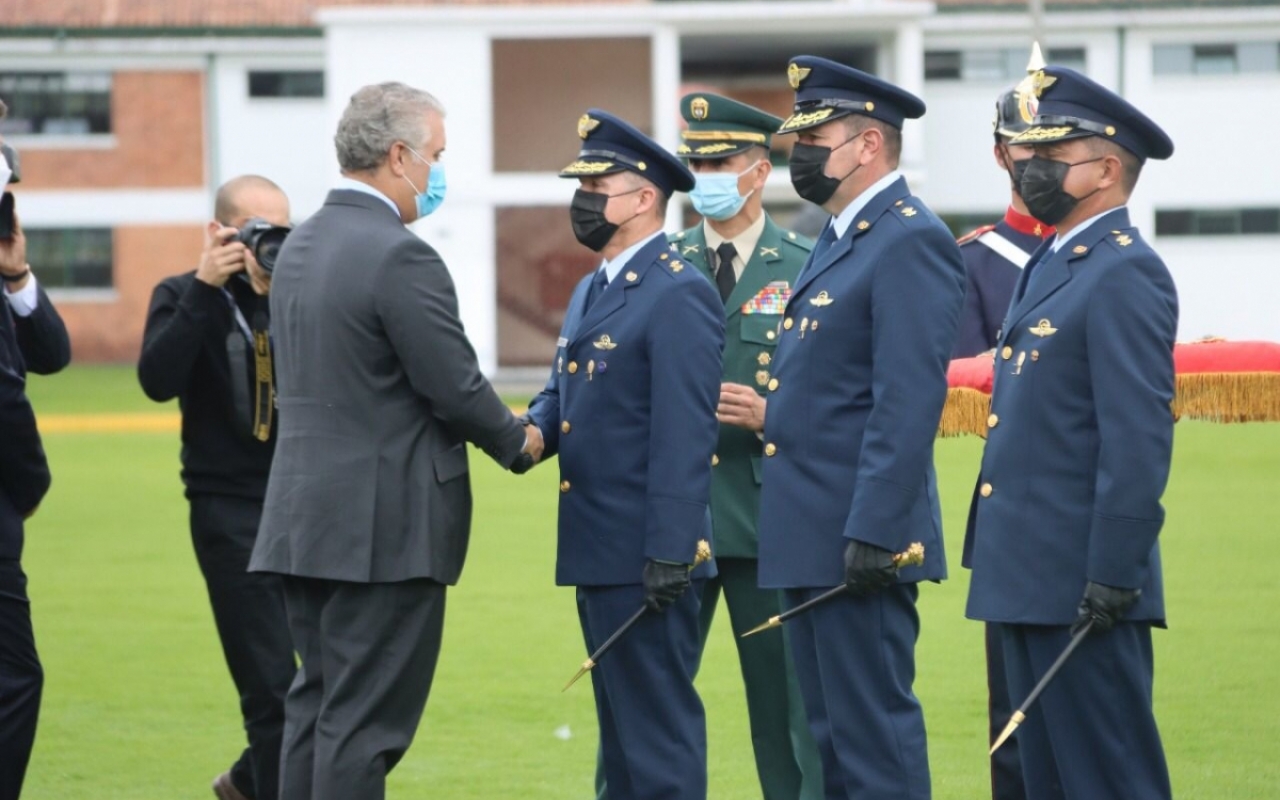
{"x":138,"y":703}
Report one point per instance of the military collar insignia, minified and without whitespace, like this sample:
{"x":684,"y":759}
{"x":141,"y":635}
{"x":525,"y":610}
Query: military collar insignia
{"x":1124,"y":240}
{"x":769,"y":252}
{"x":796,"y":75}
{"x":631,"y":277}
{"x":690,"y":248}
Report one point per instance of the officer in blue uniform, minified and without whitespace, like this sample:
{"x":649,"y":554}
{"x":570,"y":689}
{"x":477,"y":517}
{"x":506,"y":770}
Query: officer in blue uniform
{"x":1067,"y":510}
{"x":994,"y":255}
{"x":858,"y":386}
{"x":630,"y":410}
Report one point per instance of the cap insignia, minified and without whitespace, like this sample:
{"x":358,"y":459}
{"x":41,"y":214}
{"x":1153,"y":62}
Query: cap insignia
{"x":699,"y":108}
{"x":797,"y":74}
{"x":586,"y":125}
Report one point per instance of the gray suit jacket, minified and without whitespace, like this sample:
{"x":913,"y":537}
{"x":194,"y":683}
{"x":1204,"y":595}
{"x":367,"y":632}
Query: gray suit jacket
{"x":379,"y":391}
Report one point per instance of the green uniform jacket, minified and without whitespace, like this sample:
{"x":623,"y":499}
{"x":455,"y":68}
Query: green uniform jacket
{"x":748,"y":356}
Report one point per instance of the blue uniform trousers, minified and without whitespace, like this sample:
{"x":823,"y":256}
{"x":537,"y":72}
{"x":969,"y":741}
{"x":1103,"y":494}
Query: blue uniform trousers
{"x":653,"y":732}
{"x":855,"y":660}
{"x":1092,"y":734}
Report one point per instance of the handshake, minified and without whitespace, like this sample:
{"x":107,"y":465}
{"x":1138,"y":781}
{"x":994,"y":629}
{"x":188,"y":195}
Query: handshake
{"x":531,"y":454}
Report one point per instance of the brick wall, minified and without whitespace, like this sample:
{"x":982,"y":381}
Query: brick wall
{"x":112,"y":331}
{"x":158,"y":121}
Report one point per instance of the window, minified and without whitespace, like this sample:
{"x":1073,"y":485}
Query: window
{"x":1223,"y":58}
{"x":71,"y":258}
{"x":286,"y":83}
{"x":1214,"y":59}
{"x":56,"y":103}
{"x":1218,"y":222}
{"x":1001,"y":65}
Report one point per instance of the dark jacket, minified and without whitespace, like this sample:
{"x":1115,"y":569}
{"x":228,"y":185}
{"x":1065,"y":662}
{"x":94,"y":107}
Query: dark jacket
{"x":24,"y":471}
{"x":184,"y":355}
{"x":379,"y":393}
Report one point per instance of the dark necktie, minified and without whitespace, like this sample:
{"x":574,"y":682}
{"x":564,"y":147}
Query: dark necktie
{"x":598,"y":284}
{"x":726,"y":279}
{"x":824,"y":243}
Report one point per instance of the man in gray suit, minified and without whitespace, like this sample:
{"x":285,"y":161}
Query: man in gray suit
{"x":368,"y":506}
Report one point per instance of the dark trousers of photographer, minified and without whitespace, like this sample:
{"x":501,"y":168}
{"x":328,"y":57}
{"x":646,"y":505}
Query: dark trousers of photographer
{"x":20,"y":679}
{"x":249,"y":611}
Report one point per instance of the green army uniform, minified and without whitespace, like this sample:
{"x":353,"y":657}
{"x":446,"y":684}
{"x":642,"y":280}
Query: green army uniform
{"x":787,"y":760}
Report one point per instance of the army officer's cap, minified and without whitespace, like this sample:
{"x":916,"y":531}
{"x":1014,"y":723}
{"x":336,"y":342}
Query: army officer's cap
{"x":1069,"y":106}
{"x":611,"y":145}
{"x":720,"y":127}
{"x":826,"y":90}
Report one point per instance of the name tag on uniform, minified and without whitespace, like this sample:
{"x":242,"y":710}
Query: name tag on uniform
{"x":772,"y":299}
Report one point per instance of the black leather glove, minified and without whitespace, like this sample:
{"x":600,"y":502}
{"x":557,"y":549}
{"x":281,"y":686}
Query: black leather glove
{"x":523,"y":463}
{"x":867,"y":568}
{"x":1105,"y":605}
{"x":664,"y":583}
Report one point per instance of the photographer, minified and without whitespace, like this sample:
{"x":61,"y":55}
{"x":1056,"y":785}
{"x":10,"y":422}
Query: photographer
{"x":41,"y":335}
{"x":207,"y":343}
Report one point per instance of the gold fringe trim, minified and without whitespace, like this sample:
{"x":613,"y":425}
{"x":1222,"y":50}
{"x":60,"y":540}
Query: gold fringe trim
{"x":966,"y":411}
{"x":1228,"y":396}
{"x":1209,"y":396}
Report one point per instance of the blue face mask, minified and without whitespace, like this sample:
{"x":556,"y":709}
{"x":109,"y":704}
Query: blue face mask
{"x":429,"y":200}
{"x":715,"y":194}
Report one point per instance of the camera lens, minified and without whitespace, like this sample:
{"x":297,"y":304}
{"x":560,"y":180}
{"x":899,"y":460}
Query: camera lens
{"x":268,"y":248}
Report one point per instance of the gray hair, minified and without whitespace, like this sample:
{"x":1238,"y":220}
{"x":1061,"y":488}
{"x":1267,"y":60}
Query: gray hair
{"x":377,"y":117}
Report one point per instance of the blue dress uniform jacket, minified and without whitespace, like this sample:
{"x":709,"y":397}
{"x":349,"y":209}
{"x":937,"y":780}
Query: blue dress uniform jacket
{"x":860,"y":375}
{"x":994,"y":257}
{"x":630,"y":410}
{"x":1080,"y":433}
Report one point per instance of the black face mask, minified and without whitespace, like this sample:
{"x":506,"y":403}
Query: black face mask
{"x":1040,"y":185}
{"x":1016,"y":169}
{"x":809,"y":171}
{"x":586,"y":213}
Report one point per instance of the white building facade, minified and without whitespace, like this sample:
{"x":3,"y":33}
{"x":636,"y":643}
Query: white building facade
{"x":515,"y":79}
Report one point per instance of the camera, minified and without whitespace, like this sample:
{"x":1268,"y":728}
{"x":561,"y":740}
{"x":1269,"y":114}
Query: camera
{"x":263,"y":240}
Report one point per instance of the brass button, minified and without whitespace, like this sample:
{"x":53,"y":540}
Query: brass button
{"x":986,"y":490}
{"x":715,"y":460}
{"x":770,"y":449}
{"x":564,"y":486}
{"x":992,"y":421}
{"x":573,"y":365}
{"x":773,"y":384}
{"x":1006,"y":354}
{"x":787,"y":323}
{"x":770,"y":335}
{"x":565,"y":427}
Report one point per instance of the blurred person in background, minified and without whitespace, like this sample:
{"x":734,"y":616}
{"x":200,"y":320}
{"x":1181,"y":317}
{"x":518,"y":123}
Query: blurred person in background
{"x":207,"y":343}
{"x":41,"y":335}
